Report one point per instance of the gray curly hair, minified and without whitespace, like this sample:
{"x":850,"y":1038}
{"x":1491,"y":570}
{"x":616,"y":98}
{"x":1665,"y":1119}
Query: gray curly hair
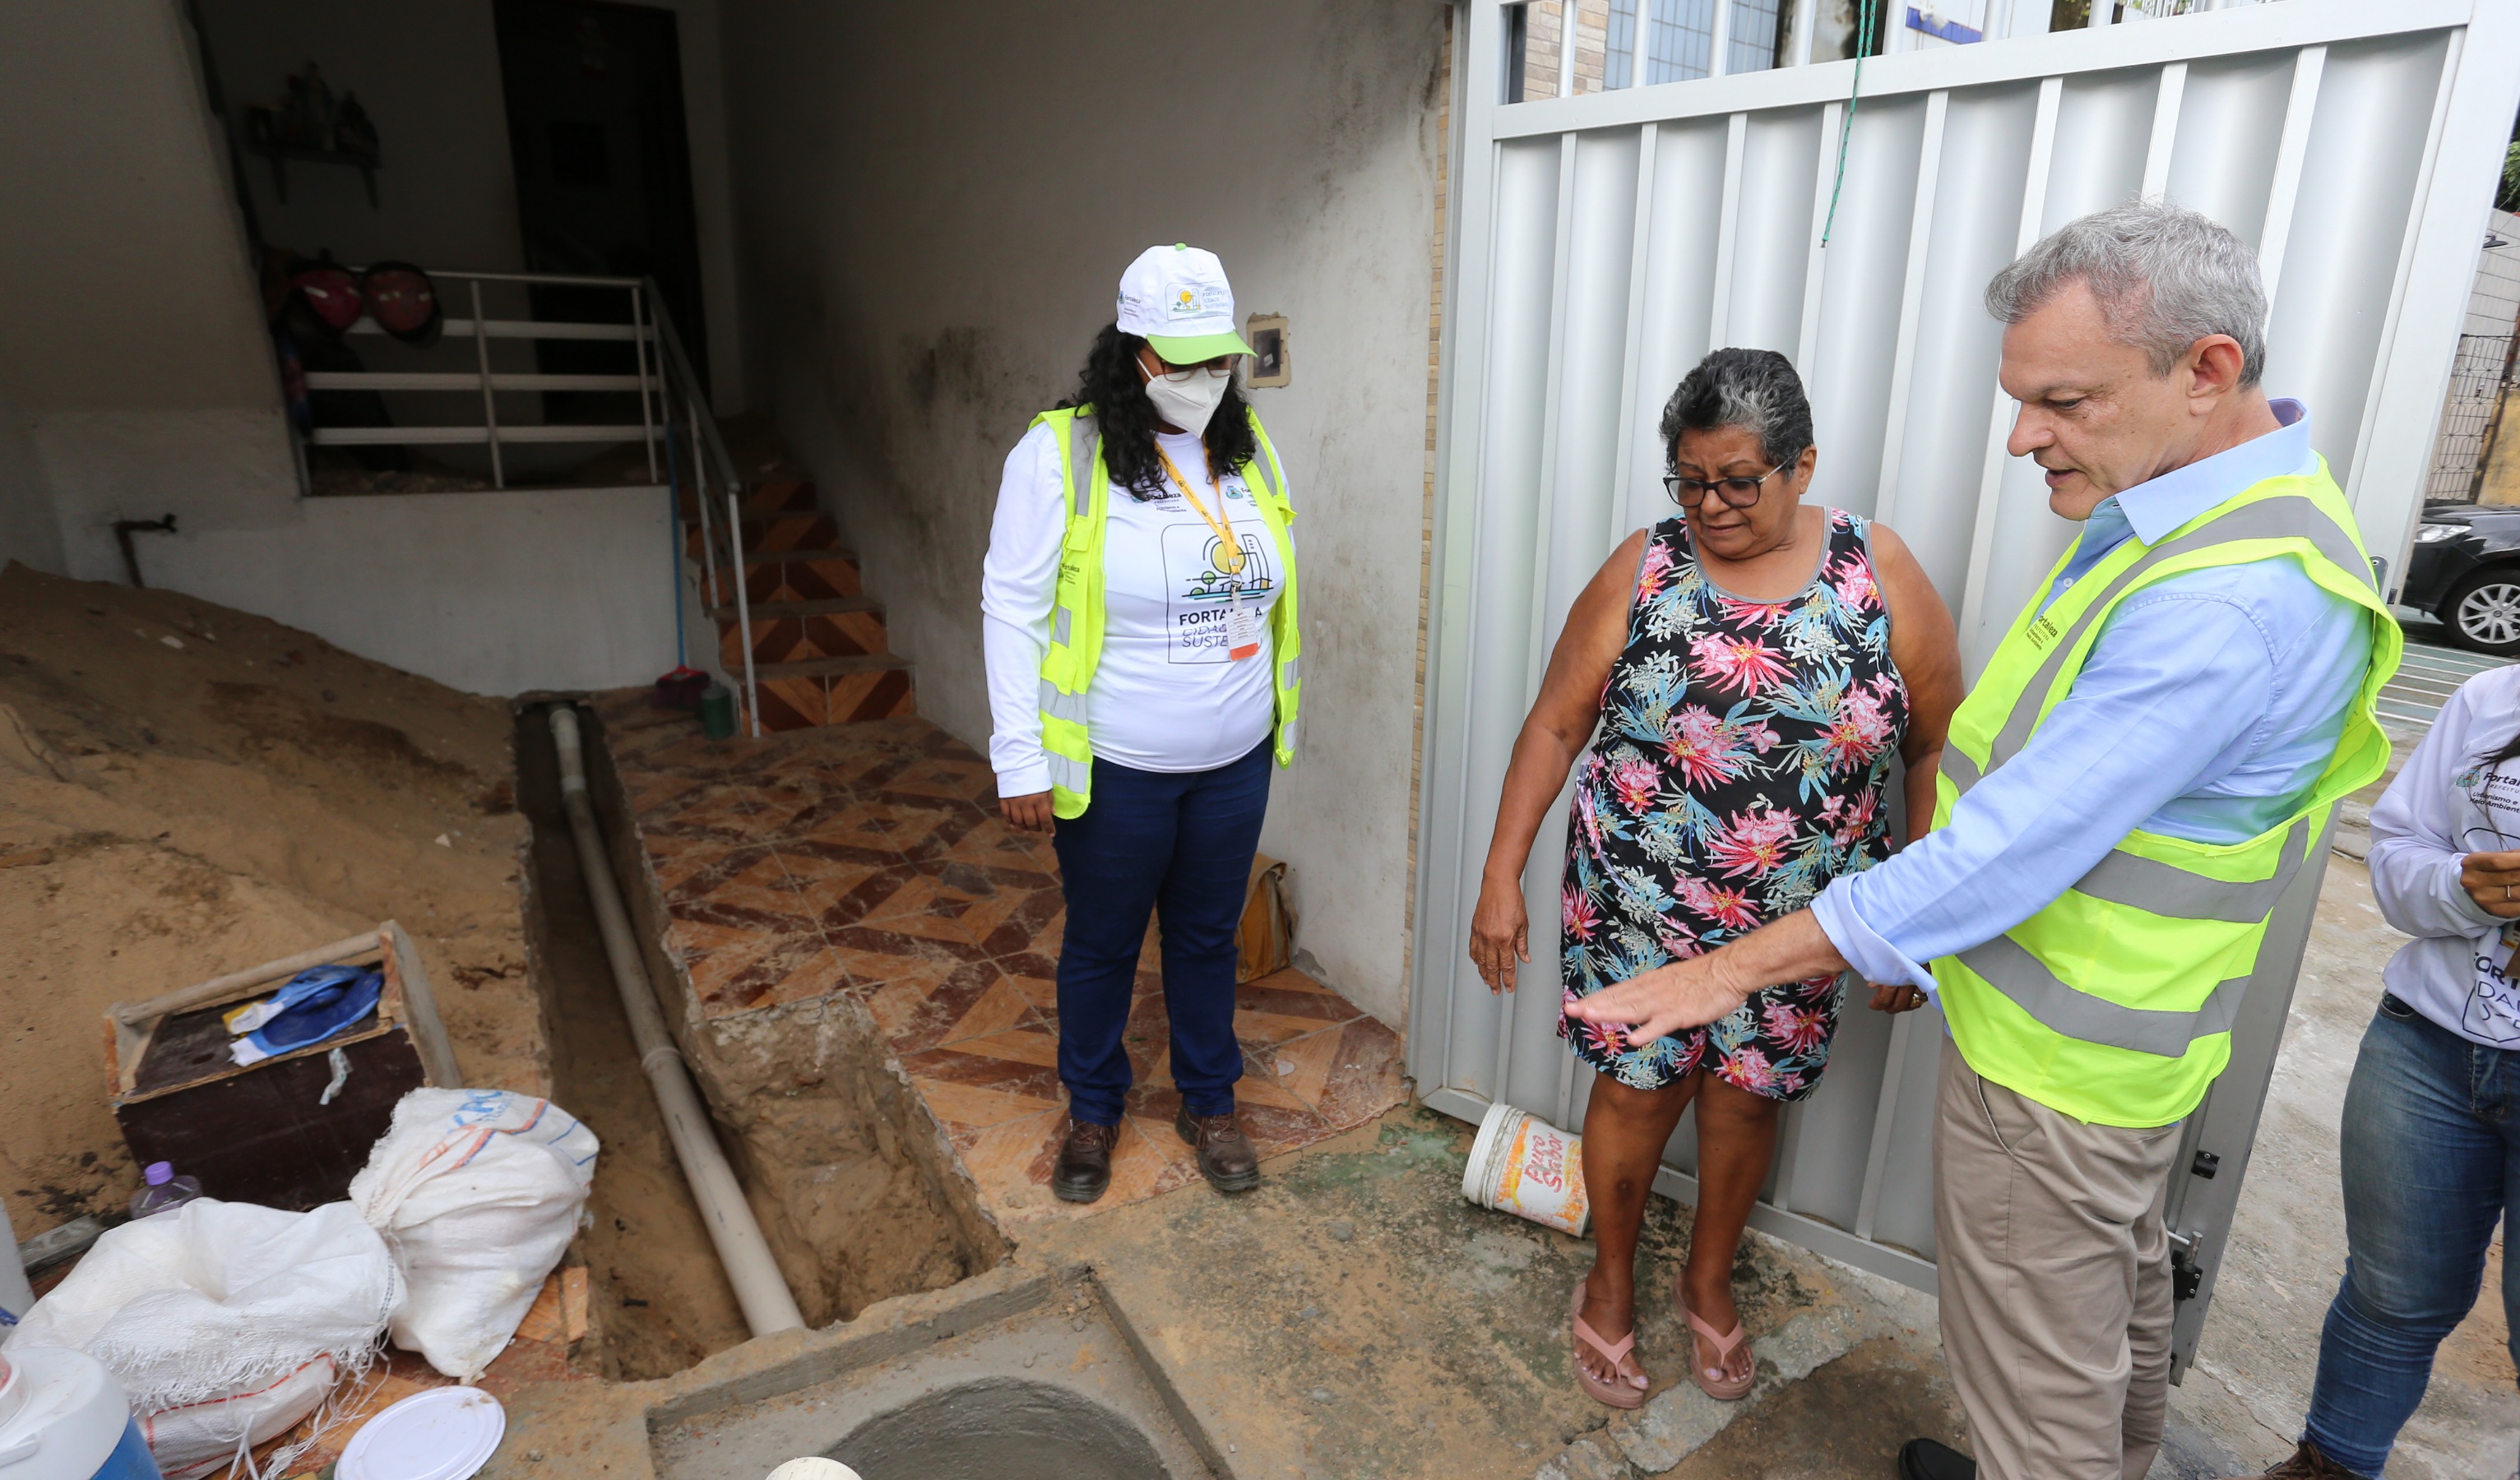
{"x":2164,"y":277}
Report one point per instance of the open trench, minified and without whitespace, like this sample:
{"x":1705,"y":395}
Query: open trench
{"x":854,"y":1185}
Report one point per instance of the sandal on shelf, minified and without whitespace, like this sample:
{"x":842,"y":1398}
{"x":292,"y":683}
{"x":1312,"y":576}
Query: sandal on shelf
{"x":1618,"y":1393}
{"x":1712,"y":1380}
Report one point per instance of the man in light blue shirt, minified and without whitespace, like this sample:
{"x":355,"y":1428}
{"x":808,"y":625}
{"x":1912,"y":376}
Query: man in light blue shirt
{"x":2207,"y":709}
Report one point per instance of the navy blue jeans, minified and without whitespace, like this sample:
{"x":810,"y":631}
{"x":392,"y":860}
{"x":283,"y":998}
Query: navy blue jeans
{"x":2431,"y":1158}
{"x":1178,"y":846}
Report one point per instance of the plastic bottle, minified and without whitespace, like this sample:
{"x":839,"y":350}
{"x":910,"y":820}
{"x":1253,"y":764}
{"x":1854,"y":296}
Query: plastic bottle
{"x":164,"y":1190}
{"x":16,"y":1298}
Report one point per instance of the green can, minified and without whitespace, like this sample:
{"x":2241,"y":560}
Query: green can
{"x":717,"y":712}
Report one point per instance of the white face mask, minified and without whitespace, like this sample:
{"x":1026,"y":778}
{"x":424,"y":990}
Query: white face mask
{"x":1187,"y":401}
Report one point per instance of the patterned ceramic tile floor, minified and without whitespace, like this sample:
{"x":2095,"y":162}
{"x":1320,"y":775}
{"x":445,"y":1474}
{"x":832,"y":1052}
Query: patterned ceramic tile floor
{"x":869,"y":859}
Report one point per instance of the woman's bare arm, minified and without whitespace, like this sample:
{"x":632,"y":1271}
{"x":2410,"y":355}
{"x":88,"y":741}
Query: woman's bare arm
{"x":1553,"y":734}
{"x":1925,"y":642}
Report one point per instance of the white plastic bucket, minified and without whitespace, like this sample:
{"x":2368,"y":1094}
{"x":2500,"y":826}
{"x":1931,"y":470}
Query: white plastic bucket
{"x":63,"y":1417}
{"x":1522,"y":1164}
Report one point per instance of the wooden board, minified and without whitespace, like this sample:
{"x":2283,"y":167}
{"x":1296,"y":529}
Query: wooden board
{"x":261,"y":1134}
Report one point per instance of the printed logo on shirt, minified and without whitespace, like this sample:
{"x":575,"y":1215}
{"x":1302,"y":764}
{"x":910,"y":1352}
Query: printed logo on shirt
{"x":1198,"y":593}
{"x":2492,"y":1011}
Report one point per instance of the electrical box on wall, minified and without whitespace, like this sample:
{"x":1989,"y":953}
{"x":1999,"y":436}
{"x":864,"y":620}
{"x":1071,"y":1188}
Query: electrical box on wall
{"x":1266,"y":333}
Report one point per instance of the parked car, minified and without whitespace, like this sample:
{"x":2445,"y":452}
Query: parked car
{"x":2465,"y":571}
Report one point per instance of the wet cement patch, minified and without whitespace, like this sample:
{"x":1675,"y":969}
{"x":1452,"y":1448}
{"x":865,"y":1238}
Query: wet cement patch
{"x":1847,"y":1418}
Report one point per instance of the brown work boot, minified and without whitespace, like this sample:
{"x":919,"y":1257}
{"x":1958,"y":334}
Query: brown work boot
{"x":2307,"y":1464}
{"x":1226,"y":1157}
{"x":1084,"y":1167}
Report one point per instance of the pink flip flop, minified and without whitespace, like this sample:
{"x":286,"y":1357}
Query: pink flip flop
{"x":1616,"y":1394}
{"x":1711,"y":1379}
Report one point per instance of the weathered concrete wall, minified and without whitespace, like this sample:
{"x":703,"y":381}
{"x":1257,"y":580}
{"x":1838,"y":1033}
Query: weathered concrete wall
{"x":2494,"y":303}
{"x":935,"y":205}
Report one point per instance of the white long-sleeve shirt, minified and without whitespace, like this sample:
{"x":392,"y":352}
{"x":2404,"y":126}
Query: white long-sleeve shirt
{"x":1165,"y":696}
{"x":2446,"y":804}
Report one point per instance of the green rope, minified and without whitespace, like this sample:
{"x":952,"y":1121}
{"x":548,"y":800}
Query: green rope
{"x":1846,"y":125}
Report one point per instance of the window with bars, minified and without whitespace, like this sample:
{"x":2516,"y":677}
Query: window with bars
{"x":1619,"y":52}
{"x":1679,"y":35}
{"x":1752,"y":46}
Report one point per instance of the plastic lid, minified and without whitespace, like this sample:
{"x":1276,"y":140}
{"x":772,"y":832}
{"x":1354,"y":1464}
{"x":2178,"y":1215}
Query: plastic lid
{"x":158,"y":1173}
{"x":446,"y":1433}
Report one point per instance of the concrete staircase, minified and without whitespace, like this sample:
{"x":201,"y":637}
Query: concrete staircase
{"x":819,"y":650}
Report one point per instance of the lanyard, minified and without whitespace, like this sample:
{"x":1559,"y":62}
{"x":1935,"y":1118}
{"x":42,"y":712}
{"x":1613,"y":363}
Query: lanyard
{"x":1229,"y":558}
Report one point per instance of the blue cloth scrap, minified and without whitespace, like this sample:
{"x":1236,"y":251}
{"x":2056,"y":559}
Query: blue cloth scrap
{"x":318,"y":1004}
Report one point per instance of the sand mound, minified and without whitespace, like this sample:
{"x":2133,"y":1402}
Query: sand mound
{"x":185,"y":791}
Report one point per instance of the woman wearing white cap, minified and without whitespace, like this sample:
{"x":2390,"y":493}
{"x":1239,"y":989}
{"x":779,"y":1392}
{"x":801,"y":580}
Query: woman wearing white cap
{"x":1140,"y":605}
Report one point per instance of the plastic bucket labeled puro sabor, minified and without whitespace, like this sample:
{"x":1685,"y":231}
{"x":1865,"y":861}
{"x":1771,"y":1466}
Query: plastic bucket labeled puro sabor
{"x":1522,"y":1164}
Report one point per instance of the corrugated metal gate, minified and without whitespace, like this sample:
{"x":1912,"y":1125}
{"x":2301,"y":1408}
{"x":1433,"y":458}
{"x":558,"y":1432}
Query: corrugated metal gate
{"x":1604,"y":241}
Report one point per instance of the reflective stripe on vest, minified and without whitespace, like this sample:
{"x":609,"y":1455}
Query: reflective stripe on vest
{"x":2114,"y":1002}
{"x":1076,"y":621}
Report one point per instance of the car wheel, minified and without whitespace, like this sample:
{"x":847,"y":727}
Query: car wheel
{"x":2483,"y":612}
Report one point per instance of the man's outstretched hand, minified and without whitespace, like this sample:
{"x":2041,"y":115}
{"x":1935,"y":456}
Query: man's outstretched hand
{"x":1685,"y":994}
{"x":1689,"y":994}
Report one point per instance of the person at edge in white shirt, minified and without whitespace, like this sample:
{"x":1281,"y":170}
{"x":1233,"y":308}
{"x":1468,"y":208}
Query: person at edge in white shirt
{"x":2207,"y":709}
{"x":1181,"y":709}
{"x":2431,"y":1132}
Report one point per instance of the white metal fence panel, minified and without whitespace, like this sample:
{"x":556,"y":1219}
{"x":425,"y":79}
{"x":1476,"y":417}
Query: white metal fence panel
{"x":1607,"y":238}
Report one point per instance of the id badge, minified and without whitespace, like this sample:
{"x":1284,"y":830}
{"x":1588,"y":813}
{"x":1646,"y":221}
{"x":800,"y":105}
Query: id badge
{"x":1241,"y":630}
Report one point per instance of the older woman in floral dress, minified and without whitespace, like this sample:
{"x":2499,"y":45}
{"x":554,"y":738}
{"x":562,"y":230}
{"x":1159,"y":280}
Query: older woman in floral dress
{"x":1752,"y":668}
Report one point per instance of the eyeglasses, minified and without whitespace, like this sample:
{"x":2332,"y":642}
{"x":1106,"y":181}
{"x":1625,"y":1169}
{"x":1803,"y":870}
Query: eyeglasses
{"x":1737,"y":492}
{"x":1180,"y":375}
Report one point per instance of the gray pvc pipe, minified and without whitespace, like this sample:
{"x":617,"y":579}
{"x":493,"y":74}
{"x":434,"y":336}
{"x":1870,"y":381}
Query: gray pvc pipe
{"x":759,"y":1287}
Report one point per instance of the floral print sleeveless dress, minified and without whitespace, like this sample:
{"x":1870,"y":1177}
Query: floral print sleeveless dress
{"x":1739,"y":767}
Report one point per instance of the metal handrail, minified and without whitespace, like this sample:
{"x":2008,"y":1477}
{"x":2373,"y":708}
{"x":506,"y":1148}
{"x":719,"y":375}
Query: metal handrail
{"x":709,"y":455}
{"x":481,"y":330}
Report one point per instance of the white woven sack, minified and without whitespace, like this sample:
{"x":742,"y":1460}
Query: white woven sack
{"x":477,"y":1192}
{"x":216,"y":1299}
{"x":200,"y":1439}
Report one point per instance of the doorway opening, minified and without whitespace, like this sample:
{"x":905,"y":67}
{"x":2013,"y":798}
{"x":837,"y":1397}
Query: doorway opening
{"x":594,"y":94}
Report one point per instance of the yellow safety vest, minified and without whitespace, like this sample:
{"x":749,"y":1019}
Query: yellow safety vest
{"x":2115,"y":1002}
{"x":1076,"y":619}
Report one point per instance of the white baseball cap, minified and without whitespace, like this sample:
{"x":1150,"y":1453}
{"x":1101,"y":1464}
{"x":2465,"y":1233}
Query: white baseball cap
{"x":1177,"y":299}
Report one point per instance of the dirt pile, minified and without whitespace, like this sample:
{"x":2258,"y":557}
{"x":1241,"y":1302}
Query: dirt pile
{"x":186,"y":790}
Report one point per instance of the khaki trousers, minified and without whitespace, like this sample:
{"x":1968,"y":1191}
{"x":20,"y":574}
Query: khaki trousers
{"x":2055,"y":1281}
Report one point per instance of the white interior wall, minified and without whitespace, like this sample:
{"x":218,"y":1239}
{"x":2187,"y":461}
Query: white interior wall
{"x":136,"y":380}
{"x":492,"y":593}
{"x":130,"y":341}
{"x":931,"y":248}
{"x":427,"y":74}
{"x":29,"y":533}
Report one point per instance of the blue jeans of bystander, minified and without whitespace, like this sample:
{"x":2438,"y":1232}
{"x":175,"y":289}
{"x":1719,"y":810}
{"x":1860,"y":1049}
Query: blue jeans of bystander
{"x":2430,"y":1154}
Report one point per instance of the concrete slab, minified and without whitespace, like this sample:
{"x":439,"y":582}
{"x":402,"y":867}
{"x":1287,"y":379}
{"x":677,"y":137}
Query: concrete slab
{"x":1054,"y":1390}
